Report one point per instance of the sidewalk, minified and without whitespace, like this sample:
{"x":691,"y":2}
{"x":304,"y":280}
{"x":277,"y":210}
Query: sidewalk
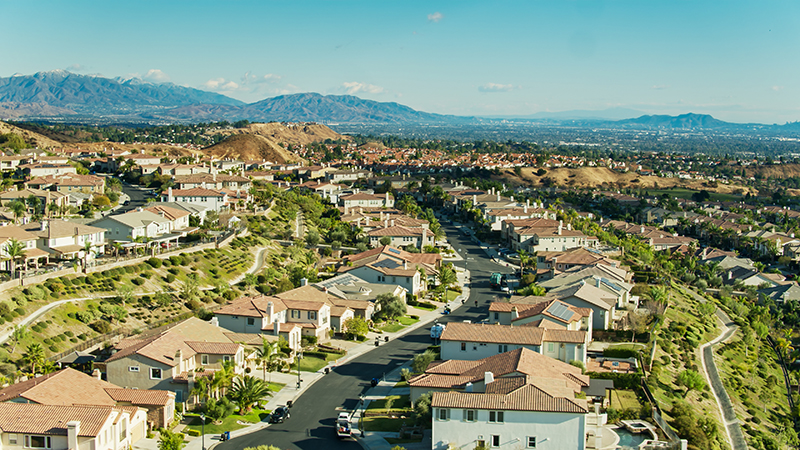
{"x":290,"y":391}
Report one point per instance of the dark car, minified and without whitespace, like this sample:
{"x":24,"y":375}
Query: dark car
{"x":279,"y":415}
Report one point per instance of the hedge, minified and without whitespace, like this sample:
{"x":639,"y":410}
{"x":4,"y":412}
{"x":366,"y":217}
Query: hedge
{"x":621,"y":380}
{"x":620,"y":353}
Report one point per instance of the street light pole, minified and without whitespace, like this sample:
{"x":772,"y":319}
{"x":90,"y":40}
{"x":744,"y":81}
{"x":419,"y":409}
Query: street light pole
{"x":203,"y":427}
{"x":299,"y":354}
{"x":361,"y":416}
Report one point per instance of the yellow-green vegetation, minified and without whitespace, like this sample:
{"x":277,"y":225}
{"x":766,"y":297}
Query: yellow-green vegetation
{"x":687,"y":404}
{"x":624,"y":399}
{"x":312,"y":363}
{"x":230,"y":423}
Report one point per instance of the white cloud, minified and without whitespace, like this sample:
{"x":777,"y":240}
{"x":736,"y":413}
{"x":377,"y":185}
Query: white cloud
{"x":777,"y":88}
{"x":435,"y":17}
{"x":269,"y":78}
{"x":156,"y":75}
{"x":354,"y":87}
{"x":221,"y":84}
{"x":660,"y":87}
{"x":496,"y":87}
{"x":76,"y":68}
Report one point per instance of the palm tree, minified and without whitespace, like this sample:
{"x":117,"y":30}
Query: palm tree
{"x":14,"y":250}
{"x":87,"y":252}
{"x":117,"y":247}
{"x":34,"y":355}
{"x":524,"y":258}
{"x":267,"y":355}
{"x":447,"y":276}
{"x":202,"y":389}
{"x":18,"y":208}
{"x":247,"y":391}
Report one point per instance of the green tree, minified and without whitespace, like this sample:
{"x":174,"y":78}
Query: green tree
{"x":248,"y":390}
{"x":422,"y":409}
{"x":421,"y":361}
{"x":447,"y":276}
{"x":355,"y":328}
{"x":691,"y":380}
{"x":34,"y":356}
{"x":312,"y":238}
{"x":390,"y":307}
{"x":19,"y":333}
{"x":268,"y":356}
{"x":217,"y":410}
{"x":386,"y":240}
{"x":14,"y":250}
{"x":167,"y":440}
{"x":18,"y":209}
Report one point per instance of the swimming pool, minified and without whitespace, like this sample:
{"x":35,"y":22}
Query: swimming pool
{"x":630,"y":440}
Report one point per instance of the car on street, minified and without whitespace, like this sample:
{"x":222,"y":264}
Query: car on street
{"x":279,"y":415}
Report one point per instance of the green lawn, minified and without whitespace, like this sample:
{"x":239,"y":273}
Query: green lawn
{"x":313,"y":363}
{"x":405,"y":320}
{"x":383,"y":423}
{"x":426,"y":308}
{"x":229,"y":424}
{"x":451,"y":295}
{"x":392,"y":327}
{"x":401,"y":403}
{"x":275,"y":387}
{"x":622,"y":399}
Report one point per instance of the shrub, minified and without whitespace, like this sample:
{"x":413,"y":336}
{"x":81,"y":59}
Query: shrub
{"x":137,"y":281}
{"x":154,"y":262}
{"x":20,"y":311}
{"x":169,"y":278}
{"x":101,"y":326}
{"x":54,"y":348}
{"x":174,"y":271}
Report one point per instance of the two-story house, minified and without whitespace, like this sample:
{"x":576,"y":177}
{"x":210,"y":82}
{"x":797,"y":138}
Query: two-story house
{"x":473,"y":341}
{"x":67,"y":240}
{"x":400,"y":236}
{"x":215,"y":200}
{"x":68,"y":387}
{"x":390,"y":265}
{"x":179,"y":219}
{"x":173,"y":358}
{"x":135,"y":224}
{"x":33,"y":256}
{"x":541,"y":312}
{"x":58,"y":427}
{"x":362,"y":199}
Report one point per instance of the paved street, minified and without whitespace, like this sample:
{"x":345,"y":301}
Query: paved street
{"x":311,"y":426}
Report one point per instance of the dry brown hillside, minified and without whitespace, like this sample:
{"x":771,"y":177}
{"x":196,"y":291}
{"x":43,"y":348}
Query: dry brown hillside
{"x":288,"y":133}
{"x":600,"y":177}
{"x":251,"y":147}
{"x":775,"y":171}
{"x":30,"y":137}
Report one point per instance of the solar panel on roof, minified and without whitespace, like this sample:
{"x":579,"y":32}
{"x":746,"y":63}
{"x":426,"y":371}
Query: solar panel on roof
{"x":610,"y":284}
{"x":560,"y":310}
{"x":394,"y":250}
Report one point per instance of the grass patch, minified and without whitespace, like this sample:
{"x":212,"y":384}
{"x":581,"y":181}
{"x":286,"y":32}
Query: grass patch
{"x":383,"y":423}
{"x":425,"y":307}
{"x":451,"y":295}
{"x":392,"y":327}
{"x":401,"y":384}
{"x":405,"y":320}
{"x":230,"y":422}
{"x":401,"y":403}
{"x":623,"y":399}
{"x":313,"y":363}
{"x":395,"y":441}
{"x":275,"y":387}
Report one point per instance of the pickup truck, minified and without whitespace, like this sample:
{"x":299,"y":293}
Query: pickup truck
{"x":343,"y":429}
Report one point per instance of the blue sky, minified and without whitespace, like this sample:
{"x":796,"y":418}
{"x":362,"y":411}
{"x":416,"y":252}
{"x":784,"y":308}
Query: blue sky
{"x":736,"y":60}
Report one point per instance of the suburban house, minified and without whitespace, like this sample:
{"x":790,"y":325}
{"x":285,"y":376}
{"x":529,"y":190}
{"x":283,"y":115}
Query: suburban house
{"x":601,"y":276}
{"x":541,"y":312}
{"x":41,"y":170}
{"x":71,"y":182}
{"x":262,"y":315}
{"x":554,"y":239}
{"x":349,"y":287}
{"x":328,"y":191}
{"x":212,"y":181}
{"x":566,"y":260}
{"x":400,"y":236}
{"x":33,"y":256}
{"x":215,"y":200}
{"x":48,"y":198}
{"x":473,"y":341}
{"x":179,"y":219}
{"x":337,"y":176}
{"x":173,"y":358}
{"x":585,"y":295}
{"x":69,"y":387}
{"x":58,"y":427}
{"x":136,"y":224}
{"x":510,"y":229}
{"x":67,"y":240}
{"x":365,"y":200}
{"x":517,"y":399}
{"x":195,"y":210}
{"x":390,"y":265}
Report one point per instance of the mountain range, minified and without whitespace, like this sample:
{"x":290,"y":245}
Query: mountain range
{"x":65,"y":96}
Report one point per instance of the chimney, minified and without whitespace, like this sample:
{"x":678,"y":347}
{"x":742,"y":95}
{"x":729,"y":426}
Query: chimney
{"x":641,"y":229}
{"x":525,"y":209}
{"x":514,"y":313}
{"x":369,"y":219}
{"x":386,"y":223}
{"x":569,"y":226}
{"x":358,"y":222}
{"x":474,"y":199}
{"x":560,"y":226}
{"x":596,"y":281}
{"x":498,"y":196}
{"x":97,"y":375}
{"x":73,"y":429}
{"x":392,"y":222}
{"x":405,"y":265}
{"x":345,"y":209}
{"x":488,"y":377}
{"x":303,"y":282}
{"x":386,"y":201}
{"x":43,"y":227}
{"x":276,"y":328}
{"x":179,"y":359}
{"x":270,"y":308}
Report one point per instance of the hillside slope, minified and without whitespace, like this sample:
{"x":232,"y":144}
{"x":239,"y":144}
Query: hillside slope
{"x":250,"y":147}
{"x":35,"y":139}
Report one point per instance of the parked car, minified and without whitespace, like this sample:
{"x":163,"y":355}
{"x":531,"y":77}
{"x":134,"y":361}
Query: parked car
{"x":279,"y":415}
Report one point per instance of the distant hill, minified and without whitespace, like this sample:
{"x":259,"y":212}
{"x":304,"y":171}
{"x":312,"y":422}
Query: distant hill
{"x":62,"y":94}
{"x":687,"y":121}
{"x":86,"y":95}
{"x":264,"y":141}
{"x":250,"y":147}
{"x":31,"y":137}
{"x":581,"y":114}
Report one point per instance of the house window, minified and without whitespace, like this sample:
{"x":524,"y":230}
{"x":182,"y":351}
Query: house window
{"x":502,"y":348}
{"x":531,"y":442}
{"x":12,"y":439}
{"x":133,"y":368}
{"x":324,"y":320}
{"x":496,"y":316}
{"x":312,"y":315}
{"x":155,"y":373}
{"x":495,"y":440}
{"x":123,"y":430}
{"x":226,"y":358}
{"x":496,"y":416}
{"x":550,"y":347}
{"x":444,"y":414}
{"x":251,"y":321}
{"x":470,"y":415}
{"x":295,"y":314}
{"x":463,"y":346}
{"x":204,"y":360}
{"x":37,"y":441}
{"x":481,"y":443}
